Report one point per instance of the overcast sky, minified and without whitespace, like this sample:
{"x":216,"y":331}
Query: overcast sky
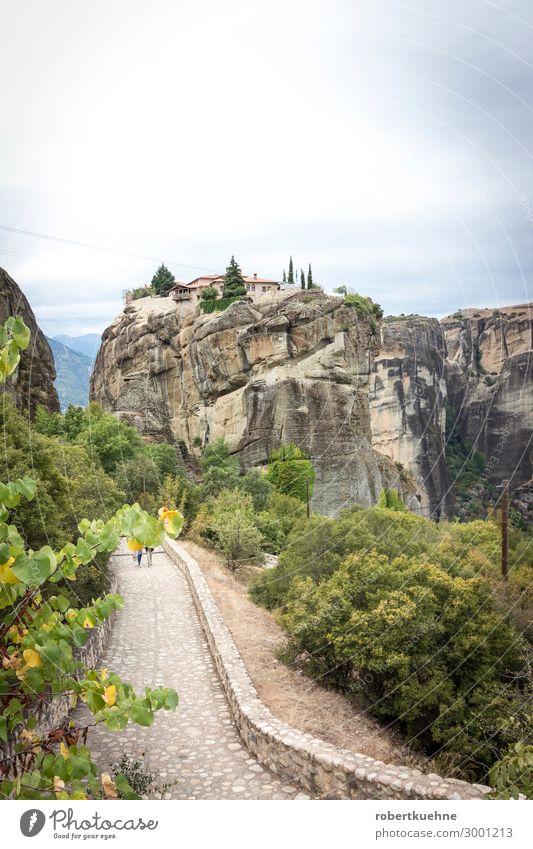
{"x":387,"y":143}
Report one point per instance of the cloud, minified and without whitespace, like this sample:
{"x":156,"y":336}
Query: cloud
{"x":386,"y":143}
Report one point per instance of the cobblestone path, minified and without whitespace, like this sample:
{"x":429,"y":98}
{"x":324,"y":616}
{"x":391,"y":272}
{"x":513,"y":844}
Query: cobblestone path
{"x":156,"y":640}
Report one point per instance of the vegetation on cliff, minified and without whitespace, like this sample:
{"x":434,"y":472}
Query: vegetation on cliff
{"x":411,"y":619}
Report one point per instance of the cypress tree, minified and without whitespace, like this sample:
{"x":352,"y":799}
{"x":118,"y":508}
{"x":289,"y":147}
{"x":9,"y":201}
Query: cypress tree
{"x":234,"y":285}
{"x":290,"y":278}
{"x":163,"y":280}
{"x":309,"y":278}
{"x":284,"y":276}
{"x":302,"y":278}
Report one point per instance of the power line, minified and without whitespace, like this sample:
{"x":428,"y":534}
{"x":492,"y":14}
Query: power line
{"x":90,"y":246}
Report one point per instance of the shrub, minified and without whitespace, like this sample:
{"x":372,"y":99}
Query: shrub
{"x":513,"y":774}
{"x":422,"y":647}
{"x":390,"y":500}
{"x":209,"y":294}
{"x":220,"y":304}
{"x":364,"y":307}
{"x":290,"y":471}
{"x":257,"y":485}
{"x":232,"y":520}
{"x":219,"y":469}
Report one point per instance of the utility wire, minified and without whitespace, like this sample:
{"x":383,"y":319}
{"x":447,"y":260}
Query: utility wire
{"x":92,"y":247}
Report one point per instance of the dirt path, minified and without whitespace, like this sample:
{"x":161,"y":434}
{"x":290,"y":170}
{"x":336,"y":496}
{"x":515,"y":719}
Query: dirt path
{"x":290,"y":695}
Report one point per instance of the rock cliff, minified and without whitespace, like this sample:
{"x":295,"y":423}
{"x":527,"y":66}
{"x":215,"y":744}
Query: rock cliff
{"x":408,"y":396}
{"x":33,"y":382}
{"x":490,"y":387}
{"x":366,"y":403}
{"x":290,"y":368}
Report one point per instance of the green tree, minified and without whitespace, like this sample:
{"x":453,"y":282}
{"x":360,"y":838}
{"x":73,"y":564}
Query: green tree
{"x":234,"y":285}
{"x":284,"y":276}
{"x":163,"y":280}
{"x":290,"y":471}
{"x":257,"y":485}
{"x":290,"y":278}
{"x":310,"y":284}
{"x":108,"y":440}
{"x":341,"y":290}
{"x":209,"y":294}
{"x":233,"y":522}
{"x":302,"y":279}
{"x":219,"y":469}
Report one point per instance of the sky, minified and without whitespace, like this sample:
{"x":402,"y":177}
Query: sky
{"x":388,"y":143}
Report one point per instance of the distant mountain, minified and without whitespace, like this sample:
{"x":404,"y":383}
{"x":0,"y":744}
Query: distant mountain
{"x":87,"y":344}
{"x":73,"y":374}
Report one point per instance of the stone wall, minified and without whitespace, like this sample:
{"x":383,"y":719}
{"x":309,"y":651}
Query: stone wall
{"x":54,"y":711}
{"x":321,"y":769}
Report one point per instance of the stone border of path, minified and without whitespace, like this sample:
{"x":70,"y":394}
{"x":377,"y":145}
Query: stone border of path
{"x":318,"y":767}
{"x":55,"y":711}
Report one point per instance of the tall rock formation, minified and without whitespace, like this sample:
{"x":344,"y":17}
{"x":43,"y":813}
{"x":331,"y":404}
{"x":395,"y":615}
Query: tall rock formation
{"x":490,"y":386}
{"x":408,"y":397}
{"x":290,"y":368}
{"x":33,"y":382}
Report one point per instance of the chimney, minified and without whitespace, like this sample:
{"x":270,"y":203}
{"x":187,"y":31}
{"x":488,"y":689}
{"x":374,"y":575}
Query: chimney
{"x":255,"y":276}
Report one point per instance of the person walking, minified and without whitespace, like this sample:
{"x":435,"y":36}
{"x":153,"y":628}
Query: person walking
{"x":139,"y":556}
{"x":149,"y":552}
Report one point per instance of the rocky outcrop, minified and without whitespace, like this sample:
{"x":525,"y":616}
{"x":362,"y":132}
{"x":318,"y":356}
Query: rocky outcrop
{"x":33,"y":382}
{"x":490,"y":386}
{"x":408,"y":397}
{"x":287,"y":368}
{"x":367,"y":404}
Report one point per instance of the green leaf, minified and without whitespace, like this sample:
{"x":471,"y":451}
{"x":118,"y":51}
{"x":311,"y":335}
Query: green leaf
{"x":32,"y":571}
{"x":3,"y":728}
{"x":26,"y":487}
{"x":83,"y":551}
{"x":141,"y":714}
{"x":20,"y":332}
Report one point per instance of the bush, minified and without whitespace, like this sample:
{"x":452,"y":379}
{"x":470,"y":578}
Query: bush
{"x":219,"y":305}
{"x":318,"y":545}
{"x":421,"y":647}
{"x":290,"y":471}
{"x":209,"y":294}
{"x":219,"y":469}
{"x":257,"y":485}
{"x":232,"y":520}
{"x":390,"y":500}
{"x":364,"y":307}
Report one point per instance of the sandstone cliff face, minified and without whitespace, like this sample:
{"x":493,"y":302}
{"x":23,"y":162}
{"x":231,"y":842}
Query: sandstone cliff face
{"x":408,"y":397}
{"x":490,"y":385}
{"x":293,"y":368}
{"x":33,"y":382}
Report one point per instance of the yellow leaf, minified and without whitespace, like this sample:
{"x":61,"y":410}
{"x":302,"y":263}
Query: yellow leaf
{"x":64,"y":750}
{"x":88,"y":622}
{"x":7,"y":576}
{"x":108,"y":786}
{"x":71,"y":614}
{"x":73,"y":700}
{"x":103,"y":673}
{"x":59,"y":784}
{"x":110,"y":695}
{"x":135,"y":545}
{"x":32,"y":658}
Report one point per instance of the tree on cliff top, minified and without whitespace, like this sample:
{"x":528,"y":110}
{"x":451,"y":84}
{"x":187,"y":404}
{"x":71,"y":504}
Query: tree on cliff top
{"x":233,"y":280}
{"x":163,"y":280}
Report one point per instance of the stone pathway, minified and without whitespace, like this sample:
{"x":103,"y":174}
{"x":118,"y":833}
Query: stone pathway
{"x":156,"y":640}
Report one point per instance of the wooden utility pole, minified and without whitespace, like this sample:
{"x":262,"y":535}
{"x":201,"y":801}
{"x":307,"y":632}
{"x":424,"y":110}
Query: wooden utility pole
{"x":308,"y":500}
{"x":505,"y":530}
